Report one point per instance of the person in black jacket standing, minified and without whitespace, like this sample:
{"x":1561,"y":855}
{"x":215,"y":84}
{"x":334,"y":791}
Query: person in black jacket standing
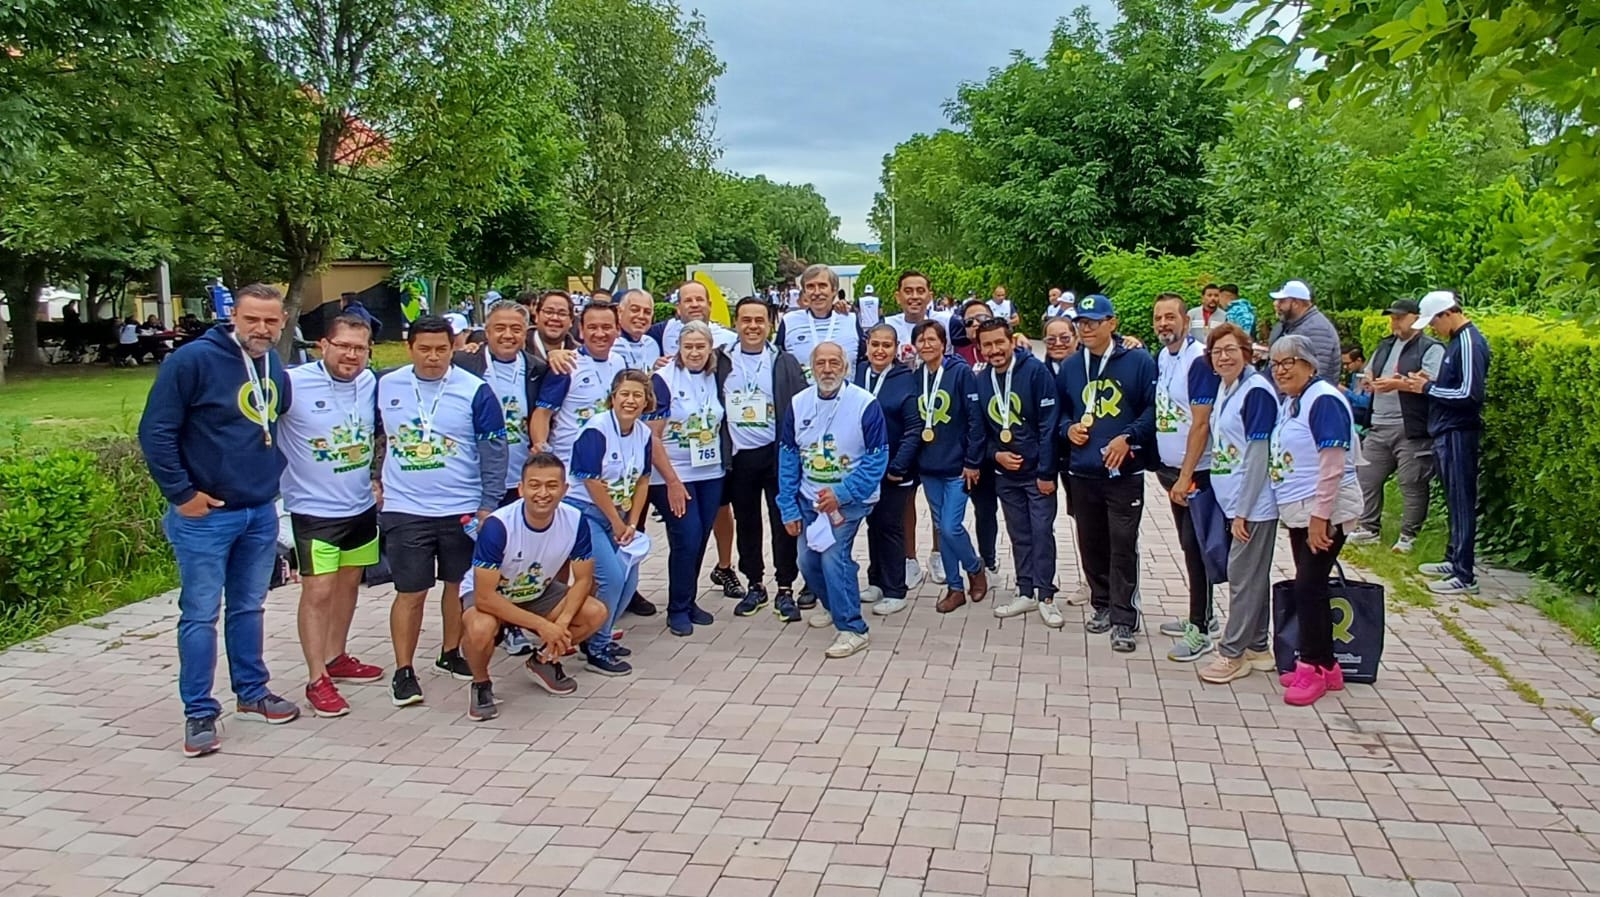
{"x":1108,"y":395}
{"x":895,"y":388}
{"x":1017,"y":401}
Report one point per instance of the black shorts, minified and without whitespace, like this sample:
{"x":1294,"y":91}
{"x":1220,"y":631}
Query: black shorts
{"x":421,"y":548}
{"x":326,"y":544}
{"x":544,"y":605}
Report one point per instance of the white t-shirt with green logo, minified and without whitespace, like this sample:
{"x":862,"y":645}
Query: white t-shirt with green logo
{"x":327,"y":443}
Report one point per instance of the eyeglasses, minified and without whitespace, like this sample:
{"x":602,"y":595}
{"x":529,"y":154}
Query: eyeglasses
{"x":1088,"y":323}
{"x":1224,"y":351}
{"x":975,"y":321}
{"x":1285,"y":364}
{"x":352,"y":348}
{"x":1058,"y":340}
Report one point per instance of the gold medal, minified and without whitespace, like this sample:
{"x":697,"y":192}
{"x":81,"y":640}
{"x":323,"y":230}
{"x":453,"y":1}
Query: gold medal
{"x":927,"y":434}
{"x":1005,"y":435}
{"x":1087,"y":420}
{"x":266,"y":437}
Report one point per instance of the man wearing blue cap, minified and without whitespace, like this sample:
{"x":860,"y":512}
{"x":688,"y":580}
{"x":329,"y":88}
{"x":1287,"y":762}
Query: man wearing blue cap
{"x":1108,"y":395}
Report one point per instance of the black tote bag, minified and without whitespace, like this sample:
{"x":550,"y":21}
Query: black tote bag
{"x":1357,"y":608}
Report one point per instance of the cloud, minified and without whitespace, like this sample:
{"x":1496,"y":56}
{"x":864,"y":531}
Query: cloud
{"x":819,"y":92}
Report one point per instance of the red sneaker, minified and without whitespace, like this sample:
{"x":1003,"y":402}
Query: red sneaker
{"x":345,"y":668}
{"x":325,"y":699}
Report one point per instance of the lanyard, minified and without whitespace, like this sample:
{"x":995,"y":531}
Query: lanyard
{"x":701,"y":397}
{"x":751,"y":381}
{"x":257,"y":392}
{"x":426,"y":417}
{"x":1231,"y":391}
{"x":1172,"y":369}
{"x":812,"y":320}
{"x":350,"y":415}
{"x":1005,"y":398}
{"x":518,"y":372}
{"x":876,"y":388}
{"x":929,"y":394}
{"x":1102,"y":369}
{"x":827,"y":425}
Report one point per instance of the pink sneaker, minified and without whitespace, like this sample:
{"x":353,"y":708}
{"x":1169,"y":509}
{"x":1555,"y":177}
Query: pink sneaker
{"x":1309,"y":684}
{"x":1334,"y":676}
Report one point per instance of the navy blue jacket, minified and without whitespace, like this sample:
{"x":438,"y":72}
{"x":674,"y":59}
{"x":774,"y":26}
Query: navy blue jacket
{"x":1033,"y":417}
{"x":898,"y":398}
{"x":1455,"y":399}
{"x":957,"y":428}
{"x":201,"y":430}
{"x":1124,"y":399}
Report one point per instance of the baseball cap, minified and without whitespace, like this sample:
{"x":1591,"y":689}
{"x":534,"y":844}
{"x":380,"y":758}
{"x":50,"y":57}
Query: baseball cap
{"x":1294,"y":289}
{"x":491,"y":297}
{"x":1070,"y":296}
{"x":867,"y":290}
{"x":1402,"y":307}
{"x":1095,"y":307}
{"x":1432,"y":305}
{"x":458,"y":323}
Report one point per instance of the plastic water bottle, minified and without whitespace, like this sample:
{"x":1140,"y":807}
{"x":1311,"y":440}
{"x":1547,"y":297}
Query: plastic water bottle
{"x":836,"y":518}
{"x":469,"y":525}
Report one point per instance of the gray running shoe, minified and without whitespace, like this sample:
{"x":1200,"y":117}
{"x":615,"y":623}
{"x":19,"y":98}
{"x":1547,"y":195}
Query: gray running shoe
{"x":271,"y":709}
{"x":1193,"y":646}
{"x":480,"y":703}
{"x":1177,"y":628}
{"x":200,"y":736}
{"x":1098,"y":622}
{"x":1122,"y":640}
{"x":551,"y":677}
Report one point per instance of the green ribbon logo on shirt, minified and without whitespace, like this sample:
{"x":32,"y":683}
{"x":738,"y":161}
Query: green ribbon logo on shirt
{"x":941,"y":407}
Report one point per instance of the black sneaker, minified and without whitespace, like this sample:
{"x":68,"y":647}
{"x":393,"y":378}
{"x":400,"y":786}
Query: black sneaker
{"x":200,"y":736}
{"x":617,"y":649}
{"x":641,"y":606}
{"x":607,"y":663}
{"x":754,"y":601}
{"x":453,"y":663}
{"x":406,"y":690}
{"x":551,"y":677}
{"x":1122,"y":640}
{"x":808,"y":598}
{"x":784,"y":606}
{"x":1099,"y":621}
{"x":480,"y":703}
{"x":729,"y":580}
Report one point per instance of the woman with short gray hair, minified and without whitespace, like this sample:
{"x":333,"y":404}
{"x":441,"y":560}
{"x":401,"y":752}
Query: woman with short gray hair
{"x":1312,"y":464}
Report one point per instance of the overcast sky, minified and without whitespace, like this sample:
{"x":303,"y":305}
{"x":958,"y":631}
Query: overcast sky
{"x":817,"y":92}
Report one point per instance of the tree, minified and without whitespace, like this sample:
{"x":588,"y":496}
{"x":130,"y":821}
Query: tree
{"x":310,"y":129}
{"x":1538,"y":57}
{"x":641,"y":74}
{"x":926,"y":176}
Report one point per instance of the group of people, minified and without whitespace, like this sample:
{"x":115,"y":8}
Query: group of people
{"x":519,"y":473}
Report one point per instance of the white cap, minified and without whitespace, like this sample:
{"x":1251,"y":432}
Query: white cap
{"x":1433,"y":305}
{"x":867,"y":290}
{"x":458,"y":323}
{"x":1070,"y":296}
{"x":1294,"y":289}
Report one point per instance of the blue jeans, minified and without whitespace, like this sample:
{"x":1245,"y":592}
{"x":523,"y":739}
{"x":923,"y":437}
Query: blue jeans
{"x":612,"y":580}
{"x":230,"y":550}
{"x":686,"y":542}
{"x":832,"y":574}
{"x":947,"y":499}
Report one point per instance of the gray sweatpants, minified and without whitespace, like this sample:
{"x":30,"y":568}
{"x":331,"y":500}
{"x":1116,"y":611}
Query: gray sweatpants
{"x":1389,"y":451}
{"x":1249,"y":591}
{"x":1030,"y":524}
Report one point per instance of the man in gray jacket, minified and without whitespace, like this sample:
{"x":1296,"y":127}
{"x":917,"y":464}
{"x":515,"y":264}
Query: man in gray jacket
{"x":1298,"y":314}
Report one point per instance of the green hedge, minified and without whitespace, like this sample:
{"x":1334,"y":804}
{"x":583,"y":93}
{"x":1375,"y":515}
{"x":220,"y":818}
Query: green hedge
{"x":1134,"y":278}
{"x":80,"y":534}
{"x":1539,"y":480}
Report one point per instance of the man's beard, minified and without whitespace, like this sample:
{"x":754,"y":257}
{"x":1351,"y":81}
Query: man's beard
{"x":1168,"y":339}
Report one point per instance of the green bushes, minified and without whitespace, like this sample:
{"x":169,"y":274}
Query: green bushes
{"x":80,"y":534}
{"x":1134,"y":279}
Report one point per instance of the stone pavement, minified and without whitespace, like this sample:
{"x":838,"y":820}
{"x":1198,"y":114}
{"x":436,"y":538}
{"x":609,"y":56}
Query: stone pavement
{"x":960,"y":755}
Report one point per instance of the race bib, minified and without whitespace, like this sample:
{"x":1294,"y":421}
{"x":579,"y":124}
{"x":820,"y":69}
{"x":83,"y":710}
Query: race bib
{"x":749,"y":408}
{"x":702,"y":454}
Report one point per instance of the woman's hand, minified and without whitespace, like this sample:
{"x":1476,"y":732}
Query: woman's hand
{"x":1319,"y":535}
{"x":626,"y":534}
{"x":1241,"y":530}
{"x":678,"y":498}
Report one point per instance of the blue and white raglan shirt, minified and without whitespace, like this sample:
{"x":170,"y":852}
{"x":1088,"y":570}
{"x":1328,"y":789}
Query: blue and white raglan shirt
{"x":839,"y":443}
{"x":1183,"y":378}
{"x":907,"y":352}
{"x":637,"y":354}
{"x":527,"y":559}
{"x":1248,"y":413}
{"x":799,"y":332}
{"x":434,"y":431}
{"x":603,"y":452}
{"x":577,"y":398}
{"x":1317,"y":419}
{"x":509,"y":380}
{"x":326,"y":438}
{"x":689,"y":404}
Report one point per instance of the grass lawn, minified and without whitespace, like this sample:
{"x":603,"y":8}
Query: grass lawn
{"x":66,"y":404}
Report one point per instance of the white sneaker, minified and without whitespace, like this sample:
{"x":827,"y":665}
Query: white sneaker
{"x":819,"y":617}
{"x":889,"y":606}
{"x":1079,"y":596}
{"x":936,"y":569}
{"x":1016,"y":608}
{"x":871,"y":594}
{"x":1436,"y":569}
{"x":913,"y":573}
{"x":1403,"y":545}
{"x":846,"y":644}
{"x":1051,"y":615}
{"x":1453,"y":586}
{"x":1361,"y":536}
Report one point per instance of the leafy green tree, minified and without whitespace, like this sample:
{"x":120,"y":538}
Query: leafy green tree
{"x":641,"y":75}
{"x":925,"y":176}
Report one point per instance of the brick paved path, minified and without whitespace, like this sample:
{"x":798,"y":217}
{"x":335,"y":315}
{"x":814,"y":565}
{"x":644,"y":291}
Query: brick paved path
{"x":959,"y":756}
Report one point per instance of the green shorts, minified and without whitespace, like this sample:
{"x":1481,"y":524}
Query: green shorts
{"x":327,"y":544}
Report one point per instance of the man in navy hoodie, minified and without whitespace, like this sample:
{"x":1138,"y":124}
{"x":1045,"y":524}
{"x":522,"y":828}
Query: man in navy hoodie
{"x":207,"y":434}
{"x":1108,"y":396}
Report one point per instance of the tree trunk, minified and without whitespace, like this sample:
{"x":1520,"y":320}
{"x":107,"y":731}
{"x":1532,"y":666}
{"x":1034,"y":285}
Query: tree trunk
{"x":300,"y":272}
{"x":22,"y":284}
